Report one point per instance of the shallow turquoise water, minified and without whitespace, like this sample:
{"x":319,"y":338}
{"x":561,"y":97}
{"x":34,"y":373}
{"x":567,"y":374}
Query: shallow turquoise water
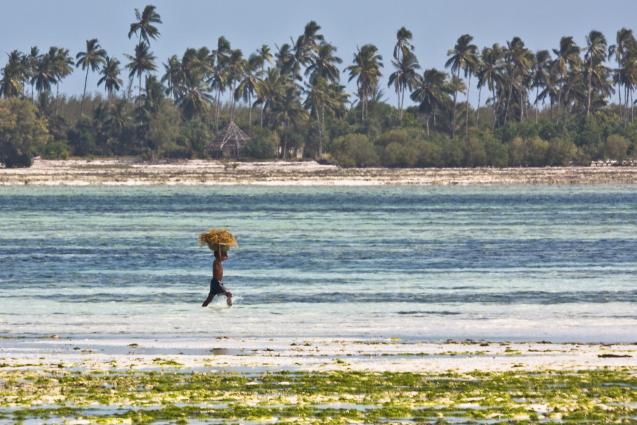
{"x":520,"y":263}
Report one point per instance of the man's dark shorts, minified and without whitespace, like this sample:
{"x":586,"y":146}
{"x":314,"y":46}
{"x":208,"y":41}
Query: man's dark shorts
{"x":217,"y":287}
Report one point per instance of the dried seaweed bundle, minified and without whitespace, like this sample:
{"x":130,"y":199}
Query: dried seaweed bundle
{"x":218,"y":239}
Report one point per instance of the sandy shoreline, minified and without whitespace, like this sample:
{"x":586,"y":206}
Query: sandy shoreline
{"x":313,"y":354}
{"x":199,"y":172}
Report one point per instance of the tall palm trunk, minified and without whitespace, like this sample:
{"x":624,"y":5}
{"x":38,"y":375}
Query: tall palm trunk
{"x":496,"y":106}
{"x":619,"y":92}
{"x":285,"y":140}
{"x":626,"y":94}
{"x":218,"y":108}
{"x":508,"y":103}
{"x":57,"y":97}
{"x":537,"y":91}
{"x":589,"y":90}
{"x":453,"y":112}
{"x":320,"y":130}
{"x":249,"y":110}
{"x":84,"y":93}
{"x":466,"y":125}
{"x":478,"y":110}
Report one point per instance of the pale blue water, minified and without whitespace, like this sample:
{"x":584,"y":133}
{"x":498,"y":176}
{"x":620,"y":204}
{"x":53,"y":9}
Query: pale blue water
{"x":431,"y":263}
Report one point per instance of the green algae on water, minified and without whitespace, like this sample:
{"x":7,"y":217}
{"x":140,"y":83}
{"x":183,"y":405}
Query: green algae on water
{"x":343,"y":396}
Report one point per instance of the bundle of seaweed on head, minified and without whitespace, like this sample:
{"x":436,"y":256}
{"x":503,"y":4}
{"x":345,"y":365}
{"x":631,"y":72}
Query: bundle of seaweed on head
{"x":218,"y":240}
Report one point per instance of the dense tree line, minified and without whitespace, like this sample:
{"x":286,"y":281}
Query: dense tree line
{"x":533,"y":108}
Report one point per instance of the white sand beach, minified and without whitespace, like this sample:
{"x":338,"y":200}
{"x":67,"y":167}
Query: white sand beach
{"x":312,"y":354}
{"x":202,"y":172}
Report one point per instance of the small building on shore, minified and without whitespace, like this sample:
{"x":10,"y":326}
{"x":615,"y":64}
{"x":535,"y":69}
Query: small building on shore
{"x":230,"y":143}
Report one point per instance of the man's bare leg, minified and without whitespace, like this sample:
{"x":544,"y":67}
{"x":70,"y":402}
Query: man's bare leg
{"x":207,"y":301}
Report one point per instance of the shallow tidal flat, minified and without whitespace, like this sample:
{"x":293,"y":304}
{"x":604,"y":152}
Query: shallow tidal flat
{"x":199,"y":172}
{"x":232,"y":380}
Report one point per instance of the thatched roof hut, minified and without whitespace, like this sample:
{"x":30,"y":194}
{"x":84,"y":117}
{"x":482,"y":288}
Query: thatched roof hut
{"x":230,"y":142}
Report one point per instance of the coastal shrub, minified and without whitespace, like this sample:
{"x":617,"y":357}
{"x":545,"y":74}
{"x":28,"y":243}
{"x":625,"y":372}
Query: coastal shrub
{"x":453,"y":153}
{"x":262,"y":145}
{"x":82,"y":138}
{"x":591,"y":138}
{"x":399,"y":155}
{"x":56,"y":149}
{"x":496,"y":152}
{"x":475,"y":154}
{"x":561,"y":152}
{"x":517,"y":152}
{"x":536,"y":151}
{"x":196,"y":135}
{"x":22,"y":133}
{"x":163,"y":132}
{"x":429,"y":154}
{"x":355,"y":150}
{"x":398,"y":135}
{"x":616,"y":147}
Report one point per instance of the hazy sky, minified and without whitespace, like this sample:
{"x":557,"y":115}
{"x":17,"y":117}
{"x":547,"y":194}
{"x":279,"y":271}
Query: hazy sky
{"x":347,"y":24}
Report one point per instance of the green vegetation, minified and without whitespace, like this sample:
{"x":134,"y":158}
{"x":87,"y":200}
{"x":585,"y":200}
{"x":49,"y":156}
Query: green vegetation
{"x":590,"y":396}
{"x":567,"y":105}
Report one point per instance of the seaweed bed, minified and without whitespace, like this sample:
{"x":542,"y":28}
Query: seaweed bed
{"x":170,"y":394}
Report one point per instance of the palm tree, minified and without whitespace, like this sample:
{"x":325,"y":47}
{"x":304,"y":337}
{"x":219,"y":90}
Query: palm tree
{"x":43,"y":75}
{"x":235,"y":69}
{"x":322,"y":91}
{"x":432,"y":91}
{"x":33,"y":58}
{"x":173,"y":76}
{"x":366,"y":70}
{"x":219,"y":78}
{"x":317,"y":95}
{"x":518,"y":65}
{"x":457,"y":85}
{"x":110,"y":76}
{"x":90,"y":59}
{"x":14,"y":74}
{"x":594,"y":55}
{"x":403,"y":45}
{"x":143,"y":61}
{"x":489,"y":73}
{"x":145,"y":24}
{"x":269,"y":90}
{"x":567,"y":58}
{"x":307,"y":43}
{"x":287,"y":62}
{"x":248,"y":83}
{"x":625,"y":44}
{"x":265,"y":56}
{"x":325,"y":64}
{"x":323,"y":96}
{"x":462,"y":57}
{"x":288,"y":112}
{"x":541,"y":75}
{"x":188,"y":80}
{"x":406,"y":65}
{"x":403,"y":78}
{"x":64,"y":66}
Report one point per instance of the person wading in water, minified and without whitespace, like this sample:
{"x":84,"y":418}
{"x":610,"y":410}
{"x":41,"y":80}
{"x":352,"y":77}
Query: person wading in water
{"x":216,"y":283}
